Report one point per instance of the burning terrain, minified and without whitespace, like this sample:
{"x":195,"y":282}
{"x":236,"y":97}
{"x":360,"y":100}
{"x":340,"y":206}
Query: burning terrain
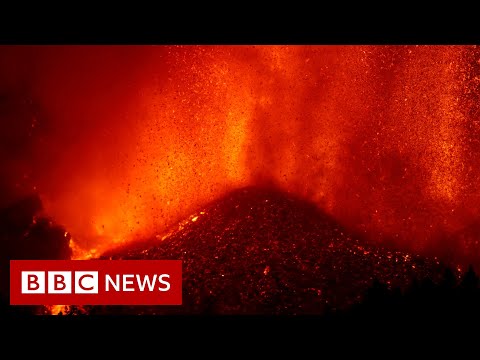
{"x":259,"y":251}
{"x":287,"y":178}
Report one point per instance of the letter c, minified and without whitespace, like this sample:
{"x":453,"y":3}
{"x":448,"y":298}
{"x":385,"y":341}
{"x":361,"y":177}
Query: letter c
{"x":80,"y":282}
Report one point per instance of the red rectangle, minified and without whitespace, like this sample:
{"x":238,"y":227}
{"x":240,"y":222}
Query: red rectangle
{"x":96,"y":282}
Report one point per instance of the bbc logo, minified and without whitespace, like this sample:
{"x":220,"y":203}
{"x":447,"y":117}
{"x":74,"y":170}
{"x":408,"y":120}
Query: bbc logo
{"x":96,"y":282}
{"x":59,"y":282}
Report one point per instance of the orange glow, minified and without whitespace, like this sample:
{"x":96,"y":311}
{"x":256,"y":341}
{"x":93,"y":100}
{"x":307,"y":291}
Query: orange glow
{"x":381,"y":137}
{"x":57,"y":309}
{"x":79,"y":253}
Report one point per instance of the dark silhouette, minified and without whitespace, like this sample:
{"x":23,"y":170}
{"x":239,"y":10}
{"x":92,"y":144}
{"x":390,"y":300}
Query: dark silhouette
{"x":448,"y":299}
{"x":26,"y":235}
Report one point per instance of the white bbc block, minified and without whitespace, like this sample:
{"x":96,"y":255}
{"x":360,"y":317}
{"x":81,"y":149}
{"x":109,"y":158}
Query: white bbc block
{"x":33,"y":282}
{"x":86,"y":282}
{"x":59,"y":282}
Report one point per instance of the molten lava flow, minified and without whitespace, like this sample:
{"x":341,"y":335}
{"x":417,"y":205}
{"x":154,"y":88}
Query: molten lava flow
{"x":384,"y":138}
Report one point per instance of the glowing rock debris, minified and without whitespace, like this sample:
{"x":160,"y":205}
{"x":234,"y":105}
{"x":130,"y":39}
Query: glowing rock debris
{"x":383,"y":138}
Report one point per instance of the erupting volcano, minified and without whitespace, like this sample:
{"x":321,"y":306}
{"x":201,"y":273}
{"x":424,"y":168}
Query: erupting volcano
{"x":261,"y":251}
{"x":120,"y":143}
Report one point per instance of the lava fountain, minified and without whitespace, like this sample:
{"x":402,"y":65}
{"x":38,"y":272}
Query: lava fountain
{"x":130,"y":139}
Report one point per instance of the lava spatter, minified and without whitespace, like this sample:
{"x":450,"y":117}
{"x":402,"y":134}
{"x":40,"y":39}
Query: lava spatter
{"x":262,"y":251}
{"x":130,"y":140}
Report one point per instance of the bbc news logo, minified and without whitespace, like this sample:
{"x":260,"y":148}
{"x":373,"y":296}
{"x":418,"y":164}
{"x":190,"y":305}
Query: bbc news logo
{"x":96,"y":282}
{"x":59,"y":282}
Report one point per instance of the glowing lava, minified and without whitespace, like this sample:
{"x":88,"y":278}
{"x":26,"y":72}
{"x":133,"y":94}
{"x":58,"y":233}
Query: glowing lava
{"x":384,"y":138}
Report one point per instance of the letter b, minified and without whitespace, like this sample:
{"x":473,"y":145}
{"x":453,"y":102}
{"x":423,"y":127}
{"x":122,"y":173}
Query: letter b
{"x":59,"y":282}
{"x":33,"y":282}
